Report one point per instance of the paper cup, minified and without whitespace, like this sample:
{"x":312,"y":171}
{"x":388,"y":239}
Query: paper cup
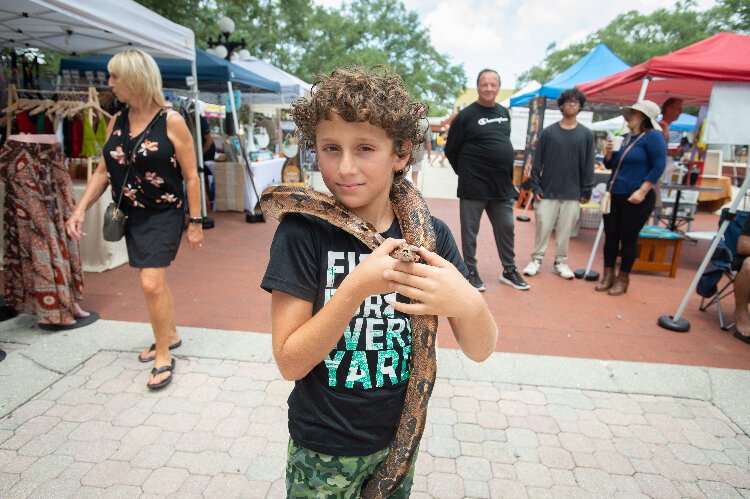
{"x":617,"y":142}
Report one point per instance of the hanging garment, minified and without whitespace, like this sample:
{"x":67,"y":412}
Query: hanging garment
{"x":76,"y":137}
{"x":59,"y":130}
{"x":101,"y":135}
{"x":43,"y":273}
{"x":88,"y":148}
{"x":24,"y":123}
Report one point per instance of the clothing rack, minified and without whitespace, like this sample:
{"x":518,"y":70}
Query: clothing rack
{"x":91,"y":104}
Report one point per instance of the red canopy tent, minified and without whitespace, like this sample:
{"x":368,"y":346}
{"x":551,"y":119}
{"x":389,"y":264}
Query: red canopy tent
{"x":688,"y":73}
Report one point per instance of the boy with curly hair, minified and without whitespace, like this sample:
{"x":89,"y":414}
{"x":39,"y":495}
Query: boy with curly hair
{"x":341,"y":312}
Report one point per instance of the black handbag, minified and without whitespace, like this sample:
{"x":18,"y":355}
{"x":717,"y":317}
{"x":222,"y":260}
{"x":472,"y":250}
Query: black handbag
{"x":114,"y":223}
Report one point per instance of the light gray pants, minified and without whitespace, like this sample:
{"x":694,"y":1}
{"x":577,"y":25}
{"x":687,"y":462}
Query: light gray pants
{"x":500,"y":213}
{"x":561,"y":215}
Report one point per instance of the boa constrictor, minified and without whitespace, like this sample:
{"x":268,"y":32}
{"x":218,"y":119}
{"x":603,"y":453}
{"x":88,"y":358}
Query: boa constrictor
{"x":416,"y":225}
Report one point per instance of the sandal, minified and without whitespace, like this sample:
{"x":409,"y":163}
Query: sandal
{"x":158,"y":370}
{"x":742,"y":337}
{"x":152,"y":348}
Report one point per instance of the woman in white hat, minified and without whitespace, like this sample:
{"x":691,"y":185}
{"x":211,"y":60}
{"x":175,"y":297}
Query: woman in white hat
{"x":636,"y":167}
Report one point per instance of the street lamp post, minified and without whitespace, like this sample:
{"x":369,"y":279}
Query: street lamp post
{"x":224,"y":47}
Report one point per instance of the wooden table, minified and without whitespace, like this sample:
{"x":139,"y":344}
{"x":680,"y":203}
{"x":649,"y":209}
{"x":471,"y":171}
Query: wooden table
{"x":715,"y":199}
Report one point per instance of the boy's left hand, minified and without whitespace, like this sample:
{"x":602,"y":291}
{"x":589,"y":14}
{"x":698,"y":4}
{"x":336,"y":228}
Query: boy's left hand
{"x":438,"y":285}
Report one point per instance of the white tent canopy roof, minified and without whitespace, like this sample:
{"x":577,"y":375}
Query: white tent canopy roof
{"x":92,"y":26}
{"x":531,"y":86}
{"x":292,"y":88}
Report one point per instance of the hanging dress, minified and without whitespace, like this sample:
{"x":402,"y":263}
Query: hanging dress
{"x":43,"y":272}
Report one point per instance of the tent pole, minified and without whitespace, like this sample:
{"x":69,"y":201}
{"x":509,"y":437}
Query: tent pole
{"x":587,"y":273}
{"x":644,"y":87}
{"x":207,"y":222}
{"x":250,"y":217}
{"x":676,"y":322}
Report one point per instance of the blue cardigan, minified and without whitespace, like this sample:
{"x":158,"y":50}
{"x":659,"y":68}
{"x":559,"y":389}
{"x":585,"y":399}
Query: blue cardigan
{"x":646,"y":160}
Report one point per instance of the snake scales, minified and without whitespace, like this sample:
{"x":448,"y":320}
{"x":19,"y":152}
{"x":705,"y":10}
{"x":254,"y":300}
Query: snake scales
{"x":416,"y":225}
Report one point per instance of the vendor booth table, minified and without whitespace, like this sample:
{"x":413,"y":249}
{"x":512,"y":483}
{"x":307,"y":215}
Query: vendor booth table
{"x":233,"y":189}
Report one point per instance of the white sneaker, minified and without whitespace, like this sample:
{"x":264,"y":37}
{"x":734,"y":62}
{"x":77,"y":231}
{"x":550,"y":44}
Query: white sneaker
{"x":564,"y":271}
{"x":532,"y":268}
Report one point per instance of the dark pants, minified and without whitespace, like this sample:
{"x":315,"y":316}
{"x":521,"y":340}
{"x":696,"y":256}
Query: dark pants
{"x":621,"y":228}
{"x":500,"y":213}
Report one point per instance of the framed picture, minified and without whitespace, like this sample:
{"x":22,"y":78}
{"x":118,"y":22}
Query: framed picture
{"x":712,"y":164}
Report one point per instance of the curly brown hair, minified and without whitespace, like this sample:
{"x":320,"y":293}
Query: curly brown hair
{"x":357,"y":94}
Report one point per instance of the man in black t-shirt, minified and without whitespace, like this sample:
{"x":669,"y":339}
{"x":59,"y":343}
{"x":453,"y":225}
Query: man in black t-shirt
{"x":481,"y":154}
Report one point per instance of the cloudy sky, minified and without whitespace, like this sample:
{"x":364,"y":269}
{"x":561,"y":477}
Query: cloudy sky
{"x":512,"y":35}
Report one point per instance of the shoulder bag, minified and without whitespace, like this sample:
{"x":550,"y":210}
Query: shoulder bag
{"x":605,"y":202}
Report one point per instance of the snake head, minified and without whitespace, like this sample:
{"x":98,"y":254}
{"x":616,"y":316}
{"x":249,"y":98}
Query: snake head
{"x":406,"y":253}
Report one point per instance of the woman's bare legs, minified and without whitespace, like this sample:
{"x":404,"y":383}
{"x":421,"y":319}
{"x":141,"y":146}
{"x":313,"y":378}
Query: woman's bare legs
{"x":161,"y":312}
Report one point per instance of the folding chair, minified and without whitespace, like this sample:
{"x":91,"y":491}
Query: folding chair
{"x":717,"y":281}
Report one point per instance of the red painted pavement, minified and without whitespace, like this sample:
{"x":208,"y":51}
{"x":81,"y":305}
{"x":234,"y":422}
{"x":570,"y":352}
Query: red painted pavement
{"x":217,"y":286}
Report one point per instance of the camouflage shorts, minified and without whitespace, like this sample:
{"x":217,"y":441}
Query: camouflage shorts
{"x":313,"y":475}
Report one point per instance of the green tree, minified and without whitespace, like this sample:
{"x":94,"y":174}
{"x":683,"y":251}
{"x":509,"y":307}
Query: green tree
{"x":636,"y":37}
{"x":730,"y":15}
{"x":306,"y":40}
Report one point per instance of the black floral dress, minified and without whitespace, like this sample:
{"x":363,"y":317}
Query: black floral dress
{"x":153,"y":193}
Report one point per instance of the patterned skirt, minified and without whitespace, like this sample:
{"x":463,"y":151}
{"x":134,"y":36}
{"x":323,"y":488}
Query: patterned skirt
{"x":43,"y":273}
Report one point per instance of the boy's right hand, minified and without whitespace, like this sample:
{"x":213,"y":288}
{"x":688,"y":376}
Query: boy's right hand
{"x":367,"y":277}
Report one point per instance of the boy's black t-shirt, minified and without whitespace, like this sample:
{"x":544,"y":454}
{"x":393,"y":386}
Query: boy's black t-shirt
{"x":350,"y":403}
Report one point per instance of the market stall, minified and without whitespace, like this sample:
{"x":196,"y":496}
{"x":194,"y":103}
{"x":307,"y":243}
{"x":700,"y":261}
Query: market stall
{"x":714,"y":71}
{"x":94,"y":26}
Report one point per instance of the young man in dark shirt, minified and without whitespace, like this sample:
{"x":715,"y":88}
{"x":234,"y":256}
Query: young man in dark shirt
{"x":480,"y":152}
{"x":562,"y":176}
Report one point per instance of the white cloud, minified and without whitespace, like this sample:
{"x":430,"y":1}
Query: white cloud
{"x":512,"y":35}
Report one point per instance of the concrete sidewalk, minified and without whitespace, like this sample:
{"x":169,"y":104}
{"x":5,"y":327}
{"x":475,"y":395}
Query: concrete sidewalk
{"x":76,"y":420}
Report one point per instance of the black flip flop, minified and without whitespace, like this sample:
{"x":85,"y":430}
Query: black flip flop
{"x":2,"y":355}
{"x":80,"y":322}
{"x":158,"y":370}
{"x":740,"y":337}
{"x":152,"y":348}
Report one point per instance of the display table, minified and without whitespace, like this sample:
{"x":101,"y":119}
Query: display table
{"x":713,"y":200}
{"x":97,"y":255}
{"x":233,"y":189}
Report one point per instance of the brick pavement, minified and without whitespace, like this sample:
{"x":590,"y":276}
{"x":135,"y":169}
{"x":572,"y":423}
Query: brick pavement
{"x":220,"y":428}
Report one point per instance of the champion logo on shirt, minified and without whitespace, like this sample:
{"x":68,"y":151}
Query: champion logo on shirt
{"x":485,"y":121}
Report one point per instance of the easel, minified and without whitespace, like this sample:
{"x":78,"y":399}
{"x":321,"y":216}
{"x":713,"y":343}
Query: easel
{"x":15,"y":104}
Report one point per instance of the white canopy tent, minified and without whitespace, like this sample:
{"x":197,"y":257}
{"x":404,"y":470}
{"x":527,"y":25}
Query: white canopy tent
{"x":292,"y":88}
{"x":531,"y":86}
{"x":78,"y":27}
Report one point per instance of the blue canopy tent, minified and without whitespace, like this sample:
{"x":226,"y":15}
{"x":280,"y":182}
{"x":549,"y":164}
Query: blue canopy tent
{"x":598,"y":63}
{"x":213,"y":72}
{"x":685,"y":123}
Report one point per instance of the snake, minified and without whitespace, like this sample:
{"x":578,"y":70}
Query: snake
{"x":417,"y":229}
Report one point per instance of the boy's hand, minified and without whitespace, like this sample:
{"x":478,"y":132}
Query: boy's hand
{"x":367,"y":277}
{"x":439,"y":286}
